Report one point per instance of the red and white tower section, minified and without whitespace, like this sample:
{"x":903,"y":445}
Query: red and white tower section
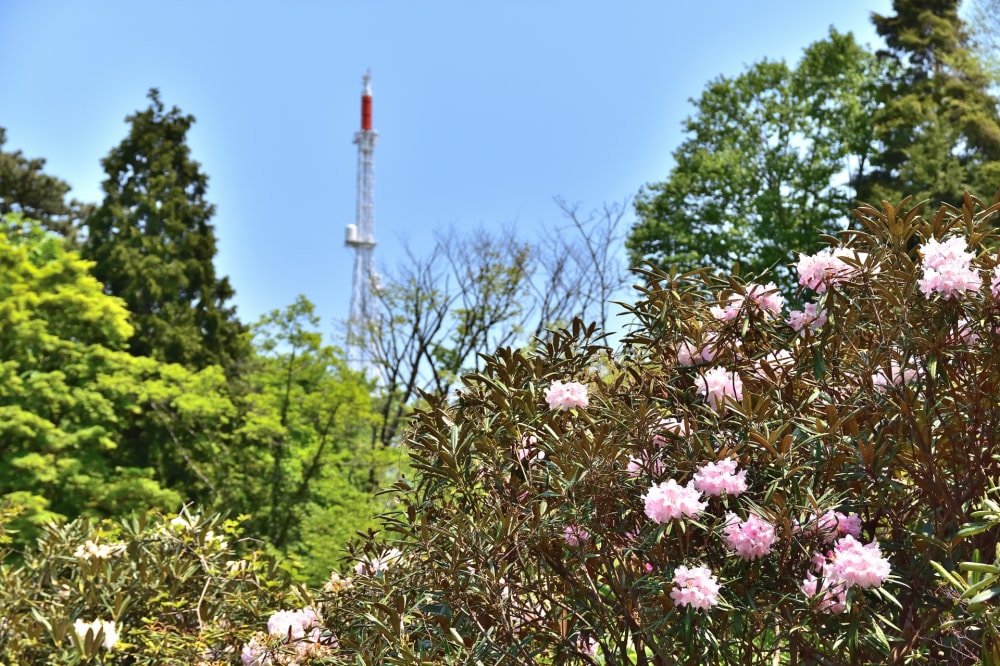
{"x":361,"y":237}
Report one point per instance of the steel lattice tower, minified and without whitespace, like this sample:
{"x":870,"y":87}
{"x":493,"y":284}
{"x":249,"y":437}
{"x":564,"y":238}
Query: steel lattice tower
{"x":361,"y":237}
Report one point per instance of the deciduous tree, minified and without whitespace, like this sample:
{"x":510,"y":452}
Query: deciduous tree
{"x":772,"y":157}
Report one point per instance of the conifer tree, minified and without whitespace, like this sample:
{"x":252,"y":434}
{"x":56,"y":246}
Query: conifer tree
{"x":154,"y":246}
{"x":26,"y":189}
{"x":939,"y":126}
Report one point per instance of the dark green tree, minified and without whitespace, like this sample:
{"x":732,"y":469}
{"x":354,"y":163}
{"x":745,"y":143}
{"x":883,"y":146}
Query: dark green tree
{"x":772,"y":157}
{"x":153,"y":245}
{"x":939,"y":125}
{"x":26,"y":189}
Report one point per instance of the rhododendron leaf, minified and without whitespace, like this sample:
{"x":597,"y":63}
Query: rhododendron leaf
{"x":983,"y":596}
{"x":819,"y":365}
{"x":979,"y":567}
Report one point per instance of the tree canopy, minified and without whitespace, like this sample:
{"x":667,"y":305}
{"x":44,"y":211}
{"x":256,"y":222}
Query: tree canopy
{"x":26,"y":189}
{"x":153,"y":245}
{"x":771,"y":157}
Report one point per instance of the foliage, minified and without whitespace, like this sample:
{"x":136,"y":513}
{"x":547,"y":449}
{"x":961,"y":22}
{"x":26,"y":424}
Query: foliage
{"x":26,"y":189}
{"x":88,"y":429}
{"x":176,"y":590}
{"x":939,"y":127}
{"x":984,"y":33}
{"x":153,"y":245}
{"x":66,"y":385}
{"x":887,"y":410}
{"x":475,"y":292}
{"x":772,"y":158}
{"x":307,"y":422}
{"x":974,"y":586}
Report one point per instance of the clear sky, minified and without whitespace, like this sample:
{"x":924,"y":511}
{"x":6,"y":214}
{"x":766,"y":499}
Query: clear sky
{"x":485,"y":111}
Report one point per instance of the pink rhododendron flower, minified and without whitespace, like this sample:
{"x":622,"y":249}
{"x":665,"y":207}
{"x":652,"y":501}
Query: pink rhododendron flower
{"x":827,"y":268}
{"x":779,"y":362}
{"x":995,"y":283}
{"x":688,"y":354}
{"x":695,"y":587}
{"x":834,"y":524}
{"x":575,"y":535}
{"x":527,"y":450}
{"x":587,"y":646}
{"x":807,"y":319}
{"x":672,"y":426}
{"x":669,"y":500}
{"x":750,"y":538}
{"x":764,"y":298}
{"x":964,"y":333}
{"x":947,"y":268}
{"x":767,"y":298}
{"x":858,"y":564}
{"x":379,"y":563}
{"x":566,"y":396}
{"x":715,"y":478}
{"x":850,"y":564}
{"x":718,"y":383}
{"x":294,"y":625}
{"x":834,"y":597}
{"x":642,"y":463}
{"x":895,"y":377}
{"x":730,"y":311}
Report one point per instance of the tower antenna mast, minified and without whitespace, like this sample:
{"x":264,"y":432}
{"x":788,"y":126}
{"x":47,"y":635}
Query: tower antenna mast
{"x":361,"y":237}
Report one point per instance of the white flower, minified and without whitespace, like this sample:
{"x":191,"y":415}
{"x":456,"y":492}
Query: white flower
{"x":110,"y":631}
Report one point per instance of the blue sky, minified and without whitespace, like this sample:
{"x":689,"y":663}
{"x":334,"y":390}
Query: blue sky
{"x":485,"y":111}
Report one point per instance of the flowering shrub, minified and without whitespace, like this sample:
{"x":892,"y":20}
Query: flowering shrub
{"x":755,"y":485}
{"x":742,"y":485}
{"x":148,"y":590}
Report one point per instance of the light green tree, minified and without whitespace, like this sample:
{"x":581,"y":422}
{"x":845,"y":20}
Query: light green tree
{"x":772,"y":156}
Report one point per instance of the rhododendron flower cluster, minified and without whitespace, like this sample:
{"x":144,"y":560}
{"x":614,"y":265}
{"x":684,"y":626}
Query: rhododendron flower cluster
{"x":947,"y":268}
{"x":81,"y":628}
{"x":90,"y":549}
{"x":566,"y":396}
{"x":293,"y":625}
{"x":750,"y":538}
{"x":718,"y":383}
{"x":715,"y":478}
{"x":643,"y":463}
{"x":858,"y":564}
{"x":808,"y":318}
{"x":778,"y":362}
{"x":828,"y":268}
{"x":300,"y":629}
{"x":696,"y":587}
{"x":896,"y":376}
{"x":850,"y":564}
{"x":374,"y":565}
{"x":669,"y":500}
{"x":575,"y":535}
{"x":995,"y":283}
{"x":764,"y":298}
{"x":834,"y":524}
{"x":833,"y":597}
{"x":528,"y":450}
{"x":671,"y":426}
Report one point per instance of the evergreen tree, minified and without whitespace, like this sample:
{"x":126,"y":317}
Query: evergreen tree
{"x":25,"y":189}
{"x":939,"y":126}
{"x":153,"y":245}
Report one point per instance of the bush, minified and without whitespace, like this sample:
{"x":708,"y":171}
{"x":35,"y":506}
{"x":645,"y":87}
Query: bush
{"x":743,"y":485}
{"x":146,"y":590}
